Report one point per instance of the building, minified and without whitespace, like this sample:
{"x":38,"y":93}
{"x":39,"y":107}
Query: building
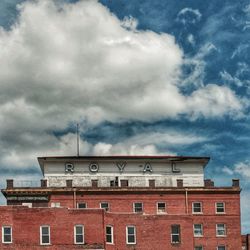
{"x":245,"y":242}
{"x":122,"y":202}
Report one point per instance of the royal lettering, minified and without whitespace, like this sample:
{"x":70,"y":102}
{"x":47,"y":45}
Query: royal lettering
{"x":147,"y":168}
{"x":93,"y":167}
{"x":69,"y":168}
{"x":121,"y":166}
{"x":174,"y":168}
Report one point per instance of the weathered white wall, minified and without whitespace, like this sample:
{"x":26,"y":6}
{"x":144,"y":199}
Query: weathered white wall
{"x":191,"y":173}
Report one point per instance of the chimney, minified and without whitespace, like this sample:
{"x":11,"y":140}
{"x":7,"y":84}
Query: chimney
{"x":179,"y":183}
{"x":69,"y":183}
{"x":235,"y":182}
{"x":208,"y":183}
{"x":43,"y":183}
{"x":94,"y":183}
{"x":10,"y":183}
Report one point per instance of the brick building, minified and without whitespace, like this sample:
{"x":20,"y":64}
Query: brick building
{"x":122,"y":202}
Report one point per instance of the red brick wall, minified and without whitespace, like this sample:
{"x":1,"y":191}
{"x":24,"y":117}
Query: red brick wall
{"x":26,"y":224}
{"x":152,"y":231}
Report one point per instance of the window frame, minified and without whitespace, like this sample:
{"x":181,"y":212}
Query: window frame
{"x":112,"y":234}
{"x":41,"y":235}
{"x":200,"y":247}
{"x":75,"y":238}
{"x":55,"y":204}
{"x":127,"y":235}
{"x":225,"y":248}
{"x":201,"y":207}
{"x":179,"y":234}
{"x":198,"y":235}
{"x":3,"y":234}
{"x":225,"y":230}
{"x":82,"y":203}
{"x":157,"y":207}
{"x":105,"y":208}
{"x":216,"y":208}
{"x":134,"y":207}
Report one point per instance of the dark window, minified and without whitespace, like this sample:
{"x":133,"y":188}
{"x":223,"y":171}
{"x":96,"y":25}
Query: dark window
{"x":79,"y":230}
{"x":45,"y":235}
{"x":131,"y":236}
{"x":7,"y":234}
{"x":175,"y":234}
{"x":82,"y":205}
{"x":105,"y":206}
{"x":138,"y":207}
{"x":109,"y":234}
{"x":161,"y":207}
{"x":197,"y":207}
{"x":220,"y":207}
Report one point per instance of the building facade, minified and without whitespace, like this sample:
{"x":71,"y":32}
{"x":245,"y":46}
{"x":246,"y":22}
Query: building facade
{"x":122,"y":202}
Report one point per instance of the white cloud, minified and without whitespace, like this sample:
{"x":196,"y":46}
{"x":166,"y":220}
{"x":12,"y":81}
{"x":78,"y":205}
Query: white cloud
{"x":62,"y":63}
{"x":189,"y":15}
{"x":243,"y":168}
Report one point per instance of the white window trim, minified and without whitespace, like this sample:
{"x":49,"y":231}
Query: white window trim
{"x":173,"y":242}
{"x":41,"y":243}
{"x":201,"y":230}
{"x":130,"y":243}
{"x":221,"y":246}
{"x":134,"y":206}
{"x":105,"y":208}
{"x":225,"y":229}
{"x":9,"y":242}
{"x":55,"y":204}
{"x":198,"y":246}
{"x":79,"y":243}
{"x":112,"y":234}
{"x":158,"y":212}
{"x":223,"y":206}
{"x":193,"y":212}
{"x":82,"y":203}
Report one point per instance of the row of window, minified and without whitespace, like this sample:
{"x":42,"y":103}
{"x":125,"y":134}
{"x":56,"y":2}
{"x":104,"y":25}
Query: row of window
{"x":221,"y":247}
{"x":160,"y":206}
{"x":220,"y":230}
{"x":130,"y":234}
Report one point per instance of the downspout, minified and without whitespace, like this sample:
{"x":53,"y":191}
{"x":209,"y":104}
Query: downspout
{"x":74,"y":198}
{"x":186,"y":200}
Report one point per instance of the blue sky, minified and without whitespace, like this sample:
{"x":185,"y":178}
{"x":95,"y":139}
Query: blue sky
{"x":141,"y":77}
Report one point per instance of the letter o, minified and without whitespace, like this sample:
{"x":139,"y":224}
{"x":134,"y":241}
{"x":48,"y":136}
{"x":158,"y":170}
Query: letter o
{"x":94,"y":167}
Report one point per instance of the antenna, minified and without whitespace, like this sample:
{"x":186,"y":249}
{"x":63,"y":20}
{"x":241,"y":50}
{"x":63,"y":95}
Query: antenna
{"x":77,"y":138}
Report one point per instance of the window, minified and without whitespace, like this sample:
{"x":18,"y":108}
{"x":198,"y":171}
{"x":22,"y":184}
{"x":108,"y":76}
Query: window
{"x":79,"y":234}
{"x":138,"y":208}
{"x":198,"y":230}
{"x":196,"y":207}
{"x":175,"y":234}
{"x":161,"y":207}
{"x":7,"y":234}
{"x":109,"y":234}
{"x":198,"y":248}
{"x":55,"y":204}
{"x":81,"y":205}
{"x":220,"y":229}
{"x":220,"y":207}
{"x":131,"y":235}
{"x":44,"y":235}
{"x":221,"y":248}
{"x":104,"y":205}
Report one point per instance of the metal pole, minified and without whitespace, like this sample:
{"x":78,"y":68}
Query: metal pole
{"x":77,"y":136}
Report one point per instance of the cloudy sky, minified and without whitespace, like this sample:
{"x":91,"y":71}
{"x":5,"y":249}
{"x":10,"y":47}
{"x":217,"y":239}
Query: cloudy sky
{"x":140,"y":77}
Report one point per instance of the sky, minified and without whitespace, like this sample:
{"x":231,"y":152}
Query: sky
{"x":140,"y":77}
